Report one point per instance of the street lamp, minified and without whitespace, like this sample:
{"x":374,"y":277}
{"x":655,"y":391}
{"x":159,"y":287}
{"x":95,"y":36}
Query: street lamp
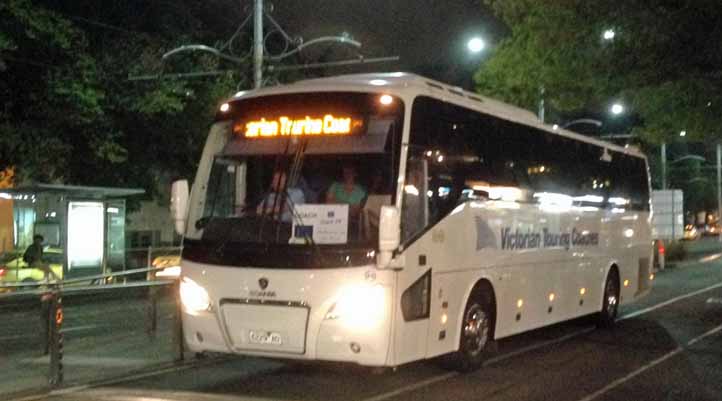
{"x":608,"y":34}
{"x":683,"y":133}
{"x":617,"y":109}
{"x":475,"y":45}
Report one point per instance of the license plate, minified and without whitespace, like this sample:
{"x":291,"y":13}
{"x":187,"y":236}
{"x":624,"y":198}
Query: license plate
{"x":265,"y":337}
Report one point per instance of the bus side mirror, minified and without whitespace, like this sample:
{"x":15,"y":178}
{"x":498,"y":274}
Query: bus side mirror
{"x":179,"y":205}
{"x":389,"y":233}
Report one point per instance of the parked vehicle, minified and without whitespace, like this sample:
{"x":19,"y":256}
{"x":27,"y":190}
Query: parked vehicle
{"x":690,"y":232}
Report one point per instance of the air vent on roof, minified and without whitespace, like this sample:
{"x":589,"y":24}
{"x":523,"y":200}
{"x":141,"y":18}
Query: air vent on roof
{"x":478,"y":99}
{"x":456,"y":92}
{"x":436,"y":86}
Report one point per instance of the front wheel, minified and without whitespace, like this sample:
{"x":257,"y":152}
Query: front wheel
{"x":476,"y":334}
{"x":610,"y":303}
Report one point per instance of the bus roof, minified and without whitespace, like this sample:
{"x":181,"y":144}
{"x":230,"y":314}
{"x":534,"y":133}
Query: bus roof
{"x":411,"y":85}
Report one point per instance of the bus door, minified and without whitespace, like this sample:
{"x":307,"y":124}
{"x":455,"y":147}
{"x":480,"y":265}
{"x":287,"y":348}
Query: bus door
{"x":414,"y":281}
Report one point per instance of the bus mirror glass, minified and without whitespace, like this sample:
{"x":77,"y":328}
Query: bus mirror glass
{"x":389,"y":229}
{"x":179,"y":205}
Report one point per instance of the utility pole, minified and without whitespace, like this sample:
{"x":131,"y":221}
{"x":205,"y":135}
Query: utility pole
{"x":541,"y":104}
{"x":258,"y":44}
{"x":719,"y":184}
{"x":664,"y":165}
{"x":225,"y":51}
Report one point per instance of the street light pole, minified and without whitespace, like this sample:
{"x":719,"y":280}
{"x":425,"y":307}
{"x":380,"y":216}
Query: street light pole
{"x":719,"y":183}
{"x":541,"y":104}
{"x":664,"y":165}
{"x":258,"y":44}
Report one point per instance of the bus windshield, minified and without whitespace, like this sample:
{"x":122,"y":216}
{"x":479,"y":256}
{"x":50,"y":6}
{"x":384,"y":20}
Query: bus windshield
{"x":311,"y":170}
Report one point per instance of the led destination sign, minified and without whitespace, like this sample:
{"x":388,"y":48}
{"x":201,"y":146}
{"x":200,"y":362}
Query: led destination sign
{"x":308,"y":126}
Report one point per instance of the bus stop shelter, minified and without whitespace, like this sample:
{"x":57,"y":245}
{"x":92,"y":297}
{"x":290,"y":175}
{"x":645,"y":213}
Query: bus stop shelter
{"x":85,"y":224}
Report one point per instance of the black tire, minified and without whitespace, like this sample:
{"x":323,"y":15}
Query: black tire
{"x":477,"y":333}
{"x":607,"y":317}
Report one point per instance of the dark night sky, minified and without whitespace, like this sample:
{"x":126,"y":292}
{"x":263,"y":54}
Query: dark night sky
{"x":429,"y":35}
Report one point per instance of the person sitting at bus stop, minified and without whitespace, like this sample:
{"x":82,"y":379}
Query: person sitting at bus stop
{"x":33,"y":256}
{"x":271,"y":204}
{"x":347,"y":191}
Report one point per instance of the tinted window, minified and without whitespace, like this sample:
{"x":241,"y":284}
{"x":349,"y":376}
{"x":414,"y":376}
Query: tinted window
{"x":459,"y":150}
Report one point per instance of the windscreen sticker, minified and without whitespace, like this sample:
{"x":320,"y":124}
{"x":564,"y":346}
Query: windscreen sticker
{"x":323,"y":224}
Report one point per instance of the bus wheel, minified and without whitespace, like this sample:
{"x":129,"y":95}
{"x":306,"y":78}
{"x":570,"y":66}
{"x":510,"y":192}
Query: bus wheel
{"x":476,"y":334}
{"x":610,"y":303}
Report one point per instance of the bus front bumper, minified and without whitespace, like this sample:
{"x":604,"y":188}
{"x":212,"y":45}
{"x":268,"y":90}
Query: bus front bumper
{"x":354,"y":328}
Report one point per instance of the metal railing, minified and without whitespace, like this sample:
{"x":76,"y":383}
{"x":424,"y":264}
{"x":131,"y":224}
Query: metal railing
{"x":52,"y":310}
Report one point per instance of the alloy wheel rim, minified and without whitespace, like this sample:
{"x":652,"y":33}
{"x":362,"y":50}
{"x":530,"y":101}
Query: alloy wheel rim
{"x":611,"y":298}
{"x":476,"y":329}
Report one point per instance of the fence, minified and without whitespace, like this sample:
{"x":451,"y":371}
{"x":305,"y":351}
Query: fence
{"x":69,"y":331}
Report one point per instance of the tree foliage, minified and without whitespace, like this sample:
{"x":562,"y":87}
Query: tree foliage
{"x":69,"y":113}
{"x":664,"y":63}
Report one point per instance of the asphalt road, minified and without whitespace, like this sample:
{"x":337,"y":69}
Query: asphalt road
{"x":668,"y":346}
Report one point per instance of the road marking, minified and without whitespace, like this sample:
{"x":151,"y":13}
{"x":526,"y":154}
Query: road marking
{"x":533,"y":347}
{"x":490,"y":361}
{"x":79,"y":328}
{"x":402,"y":390}
{"x":710,"y":258}
{"x":139,"y":376}
{"x":75,"y":360}
{"x":412,"y":387}
{"x":650,"y":365}
{"x":669,"y":301}
{"x":530,"y":348}
{"x":632,"y":375}
{"x":64,"y":330}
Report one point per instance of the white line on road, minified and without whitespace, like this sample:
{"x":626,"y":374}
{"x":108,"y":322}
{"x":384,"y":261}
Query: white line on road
{"x":64,"y":330}
{"x":536,"y":346}
{"x":632,"y":375}
{"x":79,"y":328}
{"x":710,"y":258}
{"x":530,"y":348}
{"x":412,"y":387}
{"x":489,"y":362}
{"x":669,"y":301}
{"x":648,"y":366}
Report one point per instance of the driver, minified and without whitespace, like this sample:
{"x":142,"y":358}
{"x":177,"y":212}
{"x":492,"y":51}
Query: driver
{"x":271,"y":205}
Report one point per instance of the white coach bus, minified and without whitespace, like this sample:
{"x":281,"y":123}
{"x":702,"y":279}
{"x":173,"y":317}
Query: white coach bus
{"x":380,"y":219}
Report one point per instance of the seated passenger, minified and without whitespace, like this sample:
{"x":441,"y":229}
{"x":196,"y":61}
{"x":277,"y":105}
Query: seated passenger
{"x":271,"y":205}
{"x":347,"y":192}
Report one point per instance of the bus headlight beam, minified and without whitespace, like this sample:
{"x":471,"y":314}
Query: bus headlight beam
{"x":359,"y":306}
{"x":194,"y":297}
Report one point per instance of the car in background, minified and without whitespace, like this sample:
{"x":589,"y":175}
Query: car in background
{"x":13,"y":268}
{"x":170,"y":264}
{"x":690,"y":232}
{"x":711,"y":230}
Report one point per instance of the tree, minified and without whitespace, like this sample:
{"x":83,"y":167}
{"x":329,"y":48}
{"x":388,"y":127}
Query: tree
{"x":69,"y":113}
{"x":664,"y":62}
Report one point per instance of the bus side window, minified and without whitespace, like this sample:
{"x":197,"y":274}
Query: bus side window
{"x":415,"y":200}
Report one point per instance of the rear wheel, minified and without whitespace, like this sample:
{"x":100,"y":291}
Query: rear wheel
{"x":477,"y":330}
{"x":610,"y":303}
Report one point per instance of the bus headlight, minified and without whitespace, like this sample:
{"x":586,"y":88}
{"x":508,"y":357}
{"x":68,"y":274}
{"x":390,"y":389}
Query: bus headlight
{"x":194,"y":297}
{"x":360,"y":306}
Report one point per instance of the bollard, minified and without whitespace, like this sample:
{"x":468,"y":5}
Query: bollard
{"x":45,"y":325}
{"x":56,"y":340}
{"x":151,"y":316}
{"x":178,"y":332}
